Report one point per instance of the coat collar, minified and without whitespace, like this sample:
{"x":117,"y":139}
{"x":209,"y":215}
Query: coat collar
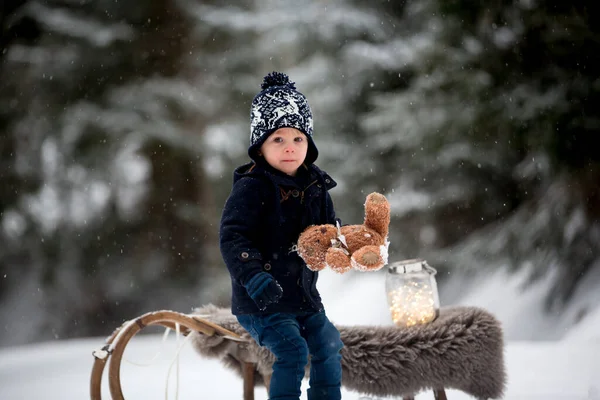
{"x":310,"y":176}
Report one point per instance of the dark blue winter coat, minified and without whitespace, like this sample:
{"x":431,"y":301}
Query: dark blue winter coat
{"x":261,"y":222}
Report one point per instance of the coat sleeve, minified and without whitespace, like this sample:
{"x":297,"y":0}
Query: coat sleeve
{"x":331,"y":218}
{"x":244,"y":211}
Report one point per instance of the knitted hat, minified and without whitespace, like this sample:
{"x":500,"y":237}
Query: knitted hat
{"x":280,"y":105}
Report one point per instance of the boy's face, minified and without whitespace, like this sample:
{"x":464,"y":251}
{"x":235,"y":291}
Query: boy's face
{"x":285,"y":150}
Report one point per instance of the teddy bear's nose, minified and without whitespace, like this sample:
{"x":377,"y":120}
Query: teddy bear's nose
{"x":323,"y":230}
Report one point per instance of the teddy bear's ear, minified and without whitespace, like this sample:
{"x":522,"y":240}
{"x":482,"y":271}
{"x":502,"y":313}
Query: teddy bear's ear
{"x":377,"y":213}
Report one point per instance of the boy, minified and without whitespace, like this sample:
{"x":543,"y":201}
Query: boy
{"x":273,"y":199}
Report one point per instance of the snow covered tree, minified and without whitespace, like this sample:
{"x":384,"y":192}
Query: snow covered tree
{"x":105,"y":206}
{"x":480,"y":129}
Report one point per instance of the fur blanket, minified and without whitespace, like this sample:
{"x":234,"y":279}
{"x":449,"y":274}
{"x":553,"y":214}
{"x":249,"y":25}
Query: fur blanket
{"x":462,"y":349}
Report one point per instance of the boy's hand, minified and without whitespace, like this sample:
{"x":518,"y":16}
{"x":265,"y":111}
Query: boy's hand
{"x":264,"y":290}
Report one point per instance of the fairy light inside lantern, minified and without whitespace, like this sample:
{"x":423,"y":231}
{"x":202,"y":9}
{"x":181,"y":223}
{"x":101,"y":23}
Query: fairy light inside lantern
{"x":412,"y":292}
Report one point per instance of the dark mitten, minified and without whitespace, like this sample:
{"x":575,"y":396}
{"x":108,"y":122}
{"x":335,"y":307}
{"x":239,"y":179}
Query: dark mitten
{"x":264,"y":290}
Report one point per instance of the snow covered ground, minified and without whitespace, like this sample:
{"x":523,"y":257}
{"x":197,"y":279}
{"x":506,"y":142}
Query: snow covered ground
{"x":567,"y":368}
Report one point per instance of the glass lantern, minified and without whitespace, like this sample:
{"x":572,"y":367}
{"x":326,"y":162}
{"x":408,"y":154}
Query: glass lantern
{"x":412,"y":292}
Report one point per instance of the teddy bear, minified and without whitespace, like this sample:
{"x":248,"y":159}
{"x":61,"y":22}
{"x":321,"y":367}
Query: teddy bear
{"x":341,"y":248}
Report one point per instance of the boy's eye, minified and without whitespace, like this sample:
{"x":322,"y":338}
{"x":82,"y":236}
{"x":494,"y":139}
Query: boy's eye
{"x":299,"y":139}
{"x":277,"y":139}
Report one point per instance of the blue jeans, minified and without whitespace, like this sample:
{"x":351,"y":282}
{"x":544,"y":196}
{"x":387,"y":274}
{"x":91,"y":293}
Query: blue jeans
{"x":291,"y":338}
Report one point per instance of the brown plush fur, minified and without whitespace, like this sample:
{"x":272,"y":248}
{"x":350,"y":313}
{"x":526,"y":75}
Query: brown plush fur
{"x":314,"y":243}
{"x":365,"y":246}
{"x":462,"y":349}
{"x":377,"y":213}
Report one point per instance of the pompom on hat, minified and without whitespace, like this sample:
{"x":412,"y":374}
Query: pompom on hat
{"x":280,"y":105}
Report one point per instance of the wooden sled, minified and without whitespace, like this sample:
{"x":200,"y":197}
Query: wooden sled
{"x":449,"y":347}
{"x":118,"y":340}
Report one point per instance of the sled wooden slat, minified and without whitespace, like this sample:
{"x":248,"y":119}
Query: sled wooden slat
{"x":219,"y":329}
{"x":249,"y":380}
{"x":439,"y":394}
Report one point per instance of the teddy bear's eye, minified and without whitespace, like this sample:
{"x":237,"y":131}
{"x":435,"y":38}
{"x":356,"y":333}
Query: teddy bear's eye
{"x":323,"y":230}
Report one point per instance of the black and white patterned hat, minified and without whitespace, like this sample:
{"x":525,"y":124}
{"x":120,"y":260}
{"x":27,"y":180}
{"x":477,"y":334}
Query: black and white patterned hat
{"x":280,"y":105}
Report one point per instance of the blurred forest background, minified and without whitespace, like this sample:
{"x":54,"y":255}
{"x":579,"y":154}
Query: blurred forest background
{"x":121,"y":122}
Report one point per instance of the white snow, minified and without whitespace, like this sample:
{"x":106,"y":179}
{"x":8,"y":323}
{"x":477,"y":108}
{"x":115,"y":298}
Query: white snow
{"x":561,"y":369}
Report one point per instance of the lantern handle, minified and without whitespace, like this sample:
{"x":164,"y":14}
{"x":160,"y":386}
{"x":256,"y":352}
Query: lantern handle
{"x":429,"y":268}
